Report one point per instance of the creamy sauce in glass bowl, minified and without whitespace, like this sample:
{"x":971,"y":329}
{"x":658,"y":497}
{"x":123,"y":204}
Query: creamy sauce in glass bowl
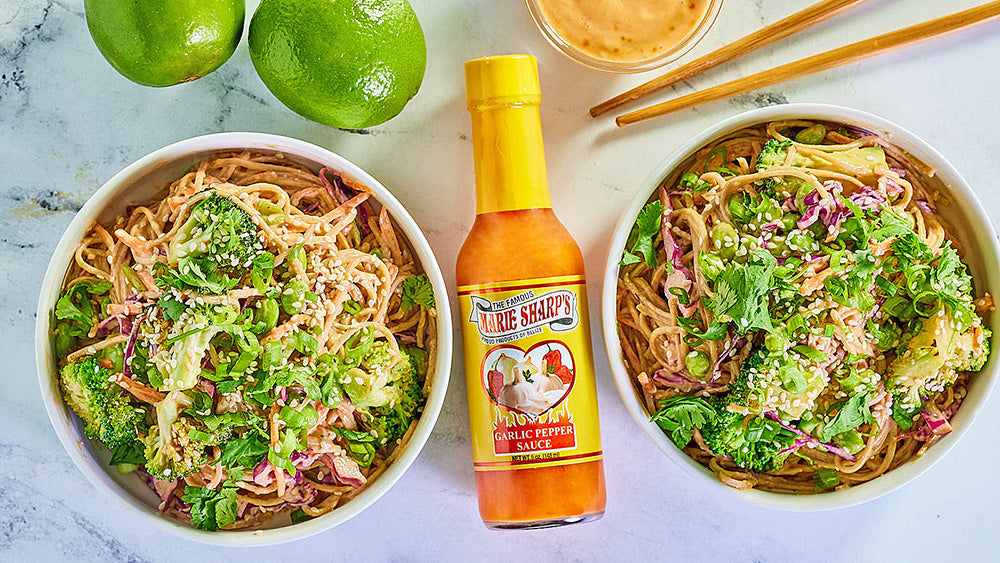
{"x":624,"y":31}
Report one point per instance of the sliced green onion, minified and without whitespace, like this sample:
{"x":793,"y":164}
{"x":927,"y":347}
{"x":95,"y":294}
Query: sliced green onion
{"x":221,"y":371}
{"x":887,"y":286}
{"x":826,"y":479}
{"x":200,"y":436}
{"x":681,"y":295}
{"x":926,"y":303}
{"x":792,"y":379}
{"x":776,"y":342}
{"x":717,"y":151}
{"x":352,"y":307}
{"x":271,"y":356}
{"x":836,"y":286}
{"x":243,"y":362}
{"x":810,"y":352}
{"x":133,"y":278}
{"x":795,"y":323}
{"x":836,"y":259}
{"x":689,"y":180}
{"x":850,"y":441}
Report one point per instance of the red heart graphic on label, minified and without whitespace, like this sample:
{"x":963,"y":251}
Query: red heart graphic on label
{"x":530,"y":382}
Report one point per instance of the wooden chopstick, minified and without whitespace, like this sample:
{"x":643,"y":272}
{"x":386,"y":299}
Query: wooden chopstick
{"x":794,"y":23}
{"x":824,"y":61}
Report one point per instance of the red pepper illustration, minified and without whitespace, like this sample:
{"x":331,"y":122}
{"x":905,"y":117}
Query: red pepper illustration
{"x":563,"y":373}
{"x":494,"y":381}
{"x":552,"y":359}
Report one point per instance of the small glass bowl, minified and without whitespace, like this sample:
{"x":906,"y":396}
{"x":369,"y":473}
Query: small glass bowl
{"x":668,"y":56}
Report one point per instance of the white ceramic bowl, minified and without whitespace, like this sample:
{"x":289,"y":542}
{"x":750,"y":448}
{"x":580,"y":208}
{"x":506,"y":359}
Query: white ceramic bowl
{"x":141,"y":181}
{"x":979,"y":242}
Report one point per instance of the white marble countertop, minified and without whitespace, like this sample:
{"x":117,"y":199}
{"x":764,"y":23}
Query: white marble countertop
{"x":68,"y":122}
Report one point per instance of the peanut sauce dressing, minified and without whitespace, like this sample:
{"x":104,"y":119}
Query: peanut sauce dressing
{"x":624,"y":30}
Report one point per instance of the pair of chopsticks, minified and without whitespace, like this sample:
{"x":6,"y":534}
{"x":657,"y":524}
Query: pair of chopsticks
{"x":814,"y":14}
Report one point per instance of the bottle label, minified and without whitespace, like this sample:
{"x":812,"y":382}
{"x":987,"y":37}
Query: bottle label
{"x":530,"y":373}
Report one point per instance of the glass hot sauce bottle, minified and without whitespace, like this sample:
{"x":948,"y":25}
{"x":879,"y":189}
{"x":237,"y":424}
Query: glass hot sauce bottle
{"x":522,"y":293}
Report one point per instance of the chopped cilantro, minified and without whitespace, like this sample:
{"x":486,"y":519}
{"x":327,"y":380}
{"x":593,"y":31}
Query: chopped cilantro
{"x":211,"y":509}
{"x":679,"y":416}
{"x":246,"y":451}
{"x":742,"y":290}
{"x":416,"y":290}
{"x":891,"y":225}
{"x":128,"y":453}
{"x":852,"y":414}
{"x":647,"y":225}
{"x":171,"y":307}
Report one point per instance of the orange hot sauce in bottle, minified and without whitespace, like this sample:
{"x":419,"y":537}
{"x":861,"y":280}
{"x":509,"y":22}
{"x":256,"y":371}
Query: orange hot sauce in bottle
{"x":522,"y":293}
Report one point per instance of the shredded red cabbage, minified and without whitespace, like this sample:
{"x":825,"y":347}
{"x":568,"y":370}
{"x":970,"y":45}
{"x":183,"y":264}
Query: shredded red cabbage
{"x":133,"y":337}
{"x":340,"y":192}
{"x":727,"y":354}
{"x":807,"y":439}
{"x":681,"y":277}
{"x":936,"y":420}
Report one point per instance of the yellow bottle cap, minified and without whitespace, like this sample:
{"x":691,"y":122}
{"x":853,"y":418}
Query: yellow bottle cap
{"x":502,"y":80}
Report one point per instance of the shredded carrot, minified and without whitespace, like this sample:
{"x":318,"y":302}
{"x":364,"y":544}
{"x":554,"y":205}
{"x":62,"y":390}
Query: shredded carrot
{"x":130,"y":308}
{"x":139,"y":247}
{"x":284,"y":328}
{"x":142,"y":392}
{"x":880,"y":248}
{"x":105,"y":236}
{"x":148,"y":280}
{"x":176,"y":201}
{"x":279,"y":477}
{"x":815,"y":282}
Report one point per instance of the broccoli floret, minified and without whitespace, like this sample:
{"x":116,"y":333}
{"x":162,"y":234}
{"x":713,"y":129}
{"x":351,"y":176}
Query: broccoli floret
{"x":405,"y":398}
{"x":777,"y":382}
{"x":934,"y":356}
{"x":216,"y":246}
{"x":179,"y":362}
{"x":173,"y":454}
{"x":752,"y":443}
{"x":971,"y":349}
{"x":176,"y":458}
{"x":100,"y":403}
{"x":772,"y":154}
{"x":378,"y":356}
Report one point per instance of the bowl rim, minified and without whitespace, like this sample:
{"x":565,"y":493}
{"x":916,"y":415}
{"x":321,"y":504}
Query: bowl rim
{"x":828,"y":112}
{"x":122,"y":183}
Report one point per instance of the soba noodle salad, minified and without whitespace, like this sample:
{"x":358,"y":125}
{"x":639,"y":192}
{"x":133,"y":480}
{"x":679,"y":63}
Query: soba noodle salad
{"x":255,"y":342}
{"x":794,"y":310}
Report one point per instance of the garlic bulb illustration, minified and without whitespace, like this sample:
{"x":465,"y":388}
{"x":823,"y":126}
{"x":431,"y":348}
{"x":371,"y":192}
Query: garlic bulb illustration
{"x":527,"y":387}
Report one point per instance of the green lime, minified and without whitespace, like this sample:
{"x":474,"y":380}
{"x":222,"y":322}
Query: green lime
{"x":165,"y":42}
{"x":345,"y":63}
